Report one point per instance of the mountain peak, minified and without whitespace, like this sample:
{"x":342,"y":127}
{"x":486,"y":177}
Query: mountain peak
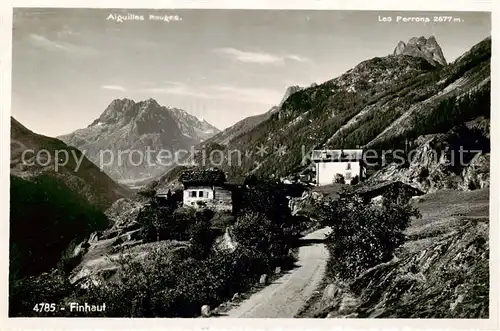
{"x":288,"y":92}
{"x":427,"y":48}
{"x":150,"y":102}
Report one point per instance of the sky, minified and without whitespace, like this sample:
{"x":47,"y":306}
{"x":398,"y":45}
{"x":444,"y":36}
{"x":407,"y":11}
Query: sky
{"x":219,"y":65}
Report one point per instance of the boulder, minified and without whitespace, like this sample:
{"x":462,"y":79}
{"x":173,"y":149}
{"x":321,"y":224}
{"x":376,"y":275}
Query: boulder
{"x":477,"y":174}
{"x":205,"y":311}
{"x":236,"y":296}
{"x":277,"y":270}
{"x":348,"y":304}
{"x":329,"y":292}
{"x":79,"y":250}
{"x":93,"y":237}
{"x":263,"y":279}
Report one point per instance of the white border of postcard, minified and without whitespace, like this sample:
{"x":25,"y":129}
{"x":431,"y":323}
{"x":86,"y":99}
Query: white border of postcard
{"x":227,"y":324}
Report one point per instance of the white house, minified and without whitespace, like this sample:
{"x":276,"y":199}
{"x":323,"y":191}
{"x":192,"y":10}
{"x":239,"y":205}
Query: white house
{"x":329,"y":163}
{"x":207,"y":196}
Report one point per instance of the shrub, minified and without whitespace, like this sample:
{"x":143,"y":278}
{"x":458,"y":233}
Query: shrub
{"x":48,"y":287}
{"x":168,"y":286}
{"x":163,"y":223}
{"x":423,"y":174}
{"x":363,"y":234}
{"x":339,"y":179}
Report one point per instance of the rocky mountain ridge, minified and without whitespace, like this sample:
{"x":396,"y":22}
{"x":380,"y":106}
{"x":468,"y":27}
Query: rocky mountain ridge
{"x":377,"y":104}
{"x":427,"y":48}
{"x":126,"y":125}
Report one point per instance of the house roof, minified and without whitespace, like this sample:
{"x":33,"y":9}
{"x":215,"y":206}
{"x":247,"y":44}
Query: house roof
{"x":337,"y":155}
{"x":209,"y":176}
{"x":373,"y":188}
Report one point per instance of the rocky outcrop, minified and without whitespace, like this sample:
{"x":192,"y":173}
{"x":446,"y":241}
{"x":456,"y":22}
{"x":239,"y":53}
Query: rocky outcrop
{"x":226,"y":242}
{"x":123,"y":212}
{"x":426,"y":48}
{"x":446,"y":277}
{"x":288,"y":92}
{"x":436,"y":164}
{"x":477,"y":174}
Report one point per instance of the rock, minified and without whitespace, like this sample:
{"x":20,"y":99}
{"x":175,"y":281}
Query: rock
{"x":133,"y":235}
{"x":236,"y":296}
{"x":93,"y":237}
{"x":205,"y":311}
{"x":329,"y":292}
{"x":263,"y":279}
{"x":226,"y":242}
{"x":348,"y":304}
{"x":454,"y":304}
{"x":477,"y":174}
{"x":78,"y":250}
{"x":352,"y":315}
{"x":422,"y":47}
{"x":277,"y":270}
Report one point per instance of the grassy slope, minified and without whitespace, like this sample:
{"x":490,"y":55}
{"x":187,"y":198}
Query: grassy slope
{"x":88,"y":180}
{"x":49,"y":210}
{"x":45,"y":217}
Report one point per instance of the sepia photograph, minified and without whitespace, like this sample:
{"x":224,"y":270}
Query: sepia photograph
{"x":236,"y":163}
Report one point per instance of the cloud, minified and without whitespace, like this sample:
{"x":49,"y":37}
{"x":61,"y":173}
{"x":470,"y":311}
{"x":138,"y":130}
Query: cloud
{"x":52,"y":45}
{"x":222,"y":92}
{"x":113,"y":87}
{"x":177,"y":88}
{"x":258,"y":57}
{"x":298,"y":58}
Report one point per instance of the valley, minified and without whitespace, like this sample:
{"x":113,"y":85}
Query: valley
{"x":256,"y":235}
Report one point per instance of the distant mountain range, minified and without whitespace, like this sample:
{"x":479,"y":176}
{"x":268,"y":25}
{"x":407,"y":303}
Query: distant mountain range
{"x":126,"y":126}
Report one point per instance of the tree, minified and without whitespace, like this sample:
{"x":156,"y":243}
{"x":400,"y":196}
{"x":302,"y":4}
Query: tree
{"x":339,"y":179}
{"x":363,"y":234}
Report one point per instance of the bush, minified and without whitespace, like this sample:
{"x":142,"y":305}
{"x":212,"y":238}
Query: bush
{"x":165,"y":285}
{"x":339,"y":179}
{"x":167,"y":223}
{"x":423,"y":174}
{"x":49,"y":287}
{"x":363,"y":234}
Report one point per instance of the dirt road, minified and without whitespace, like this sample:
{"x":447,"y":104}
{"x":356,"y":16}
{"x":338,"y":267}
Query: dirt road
{"x":285,"y":296}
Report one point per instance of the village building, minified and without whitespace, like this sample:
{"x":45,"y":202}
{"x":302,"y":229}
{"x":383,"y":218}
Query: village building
{"x":206,"y":188}
{"x":333,"y":164}
{"x":397,"y":191}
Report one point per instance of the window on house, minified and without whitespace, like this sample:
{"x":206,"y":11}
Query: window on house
{"x":200,"y":194}
{"x":192,"y":194}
